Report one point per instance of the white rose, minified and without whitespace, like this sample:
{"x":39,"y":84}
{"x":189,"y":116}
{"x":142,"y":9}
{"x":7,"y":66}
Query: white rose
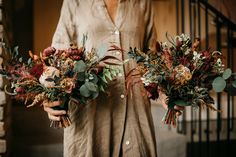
{"x":49,"y":73}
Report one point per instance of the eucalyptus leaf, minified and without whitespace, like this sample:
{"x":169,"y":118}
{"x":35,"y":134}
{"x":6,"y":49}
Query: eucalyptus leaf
{"x":227,"y":73}
{"x":80,"y":66}
{"x":95,"y":94}
{"x":91,"y":86}
{"x":84,"y":91}
{"x":219,"y":84}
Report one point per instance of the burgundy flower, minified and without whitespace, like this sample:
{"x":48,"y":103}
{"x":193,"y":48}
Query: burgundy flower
{"x":76,"y":57}
{"x":20,"y":90}
{"x":206,"y":54}
{"x":184,"y":61}
{"x":168,"y":58}
{"x":152,"y":91}
{"x":48,"y":51}
{"x":36,"y":70}
{"x":178,"y":44}
{"x":74,"y":53}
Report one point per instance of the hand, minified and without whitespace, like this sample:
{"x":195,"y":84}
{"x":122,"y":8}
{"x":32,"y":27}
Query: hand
{"x":178,"y":109}
{"x":53,"y":115}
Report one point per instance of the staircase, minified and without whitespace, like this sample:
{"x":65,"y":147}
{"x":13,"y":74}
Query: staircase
{"x":209,"y":134}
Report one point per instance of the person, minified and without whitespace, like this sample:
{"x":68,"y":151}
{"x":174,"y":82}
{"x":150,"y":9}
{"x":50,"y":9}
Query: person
{"x":118,"y":124}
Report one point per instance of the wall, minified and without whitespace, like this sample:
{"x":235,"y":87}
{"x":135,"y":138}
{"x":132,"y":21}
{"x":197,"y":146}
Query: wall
{"x":165,"y":19}
{"x":46,"y":15}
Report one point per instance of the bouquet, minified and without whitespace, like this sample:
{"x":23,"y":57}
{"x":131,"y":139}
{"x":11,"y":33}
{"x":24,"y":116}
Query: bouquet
{"x":72,"y":75}
{"x":181,"y":72}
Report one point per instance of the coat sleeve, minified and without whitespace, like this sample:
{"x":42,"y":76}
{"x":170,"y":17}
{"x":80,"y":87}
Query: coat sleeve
{"x":65,"y":33}
{"x":150,"y":36}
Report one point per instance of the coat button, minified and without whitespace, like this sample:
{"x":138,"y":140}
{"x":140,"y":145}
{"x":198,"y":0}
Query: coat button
{"x":127,"y":143}
{"x":116,"y":32}
{"x":117,"y":53}
{"x":122,"y":96}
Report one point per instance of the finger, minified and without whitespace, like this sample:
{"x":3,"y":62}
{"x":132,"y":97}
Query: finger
{"x":178,"y":113}
{"x":53,"y":118}
{"x":54,"y":112}
{"x":177,"y":107}
{"x":174,"y":124}
{"x":51,"y":103}
{"x":162,"y":98}
{"x":165,"y":106}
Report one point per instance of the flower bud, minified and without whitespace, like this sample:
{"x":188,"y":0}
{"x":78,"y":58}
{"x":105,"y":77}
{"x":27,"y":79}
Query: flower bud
{"x":48,"y":51}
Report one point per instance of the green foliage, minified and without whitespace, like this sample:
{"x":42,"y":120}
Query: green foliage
{"x":29,"y":61}
{"x":94,"y":78}
{"x":79,"y":66}
{"x":91,"y":86}
{"x":84,"y":91}
{"x":107,"y":73}
{"x":219,"y":84}
{"x":181,"y":103}
{"x":227,"y":73}
{"x":15,"y":52}
{"x":81,"y":76}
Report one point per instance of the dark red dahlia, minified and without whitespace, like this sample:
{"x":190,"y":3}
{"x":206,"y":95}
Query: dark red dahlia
{"x":20,"y":90}
{"x":36,"y":70}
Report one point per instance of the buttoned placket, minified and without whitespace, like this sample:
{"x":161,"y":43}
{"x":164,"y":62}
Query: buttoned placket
{"x":115,"y":38}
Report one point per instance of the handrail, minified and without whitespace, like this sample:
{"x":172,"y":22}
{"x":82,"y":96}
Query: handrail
{"x":231,"y":24}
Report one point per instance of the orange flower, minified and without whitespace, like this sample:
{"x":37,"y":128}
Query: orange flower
{"x":182,"y":75}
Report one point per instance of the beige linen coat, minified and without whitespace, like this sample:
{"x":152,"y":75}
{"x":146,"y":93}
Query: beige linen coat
{"x":118,"y":124}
